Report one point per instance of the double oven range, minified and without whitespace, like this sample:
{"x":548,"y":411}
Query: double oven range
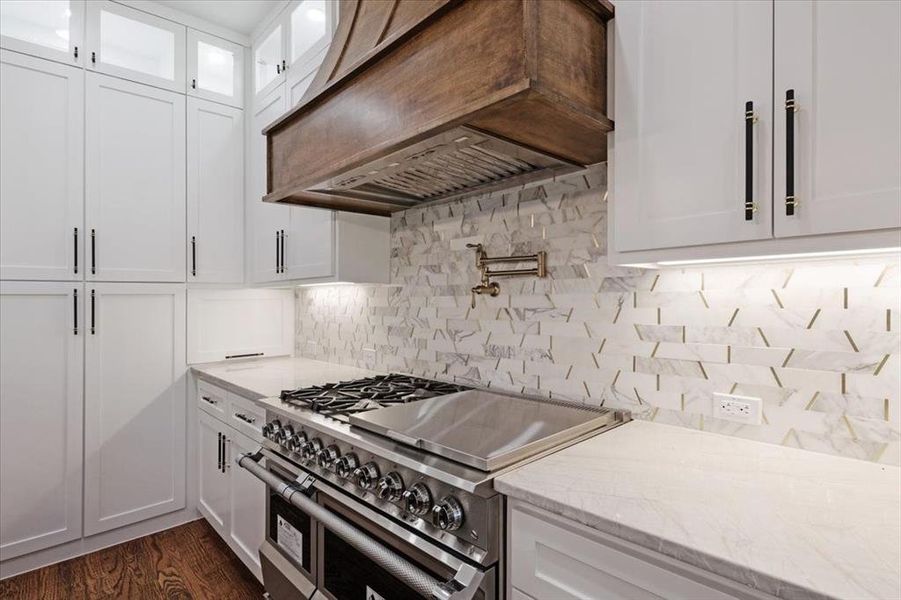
{"x":382,"y":488}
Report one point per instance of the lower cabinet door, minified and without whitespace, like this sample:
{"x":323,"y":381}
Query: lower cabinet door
{"x":211,"y":473}
{"x":247,"y":496}
{"x":134,"y":403}
{"x":41,"y":358}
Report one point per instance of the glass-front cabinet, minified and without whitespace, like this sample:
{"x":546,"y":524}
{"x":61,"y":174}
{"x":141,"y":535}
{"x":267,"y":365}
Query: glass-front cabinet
{"x":52,"y":29}
{"x":293,"y":46}
{"x":215,"y":69}
{"x":135,"y":45}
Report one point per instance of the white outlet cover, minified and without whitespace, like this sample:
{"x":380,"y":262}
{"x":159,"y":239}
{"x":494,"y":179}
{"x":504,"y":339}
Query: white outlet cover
{"x":740,"y":409}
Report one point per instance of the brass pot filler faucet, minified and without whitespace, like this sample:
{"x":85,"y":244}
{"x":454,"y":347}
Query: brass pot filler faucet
{"x":492,"y":288}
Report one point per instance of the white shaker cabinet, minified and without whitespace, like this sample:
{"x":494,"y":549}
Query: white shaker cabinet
{"x":41,"y":169}
{"x":247,"y":502}
{"x":134,"y":403}
{"x":841,"y":62}
{"x":265,"y":222}
{"x":684,"y":73}
{"x":134,"y":182}
{"x":135,"y":45}
{"x":51,"y":29}
{"x":215,"y":69}
{"x":41,"y":395}
{"x":215,"y":184}
{"x":212,"y":480}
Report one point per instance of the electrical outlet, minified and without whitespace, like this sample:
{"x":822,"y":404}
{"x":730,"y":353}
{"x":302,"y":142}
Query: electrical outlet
{"x":741,"y":409}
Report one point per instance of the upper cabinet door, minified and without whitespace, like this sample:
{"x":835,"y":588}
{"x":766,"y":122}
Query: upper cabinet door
{"x":309,"y":243}
{"x":841,"y":161}
{"x":41,"y":396}
{"x":268,"y":59}
{"x":215,"y":69}
{"x":134,"y":182}
{"x":686,"y":159}
{"x":41,"y":169}
{"x":134,"y":45}
{"x":215,"y":192}
{"x":311,"y":25}
{"x":51,"y":29}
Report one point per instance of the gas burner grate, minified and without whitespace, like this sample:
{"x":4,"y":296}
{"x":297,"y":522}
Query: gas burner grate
{"x":360,"y":395}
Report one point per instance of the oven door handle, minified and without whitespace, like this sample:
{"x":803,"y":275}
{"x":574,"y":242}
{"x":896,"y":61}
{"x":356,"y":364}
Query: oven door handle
{"x":462,"y":586}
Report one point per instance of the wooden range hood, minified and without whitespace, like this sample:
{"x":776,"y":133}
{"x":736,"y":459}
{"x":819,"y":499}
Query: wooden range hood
{"x":426,"y":100}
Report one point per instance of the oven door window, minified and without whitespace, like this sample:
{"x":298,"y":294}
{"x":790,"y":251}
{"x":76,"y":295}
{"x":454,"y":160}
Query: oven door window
{"x":291,"y":531}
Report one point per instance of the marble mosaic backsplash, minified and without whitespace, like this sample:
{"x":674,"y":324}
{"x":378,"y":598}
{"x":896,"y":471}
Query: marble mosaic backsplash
{"x":818,"y":341}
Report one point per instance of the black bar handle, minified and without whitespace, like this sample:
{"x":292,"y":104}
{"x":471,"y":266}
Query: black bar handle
{"x":224,"y":452}
{"x":283,"y":251}
{"x":76,"y":51}
{"x":75,"y":247}
{"x":278,"y":256}
{"x":219,"y":450}
{"x":93,"y":331}
{"x":790,"y":108}
{"x":193,"y":256}
{"x":75,"y":310}
{"x":749,"y":161}
{"x":93,"y":58}
{"x":193,"y":84}
{"x":93,"y":252}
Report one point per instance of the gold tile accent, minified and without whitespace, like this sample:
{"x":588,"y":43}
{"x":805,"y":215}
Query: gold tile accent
{"x":787,"y":279}
{"x":850,"y":429}
{"x":881,"y":364}
{"x":658,"y":382}
{"x":888,"y":319}
{"x":654,"y":351}
{"x":659,"y":318}
{"x":637,"y":331}
{"x":814,"y":318}
{"x":601,"y":349}
{"x":778,"y":300}
{"x":615,"y":377}
{"x":765,"y":341}
{"x":788,"y":357}
{"x":845,"y":298}
{"x":703,"y":299}
{"x":733,"y":388}
{"x":656,"y":279}
{"x":587,"y":391}
{"x":729,"y":354}
{"x":619,"y":309}
{"x":881,"y":276}
{"x":776,"y":377}
{"x":885,"y":408}
{"x":595,"y":359}
{"x":682,"y":400}
{"x":637,"y":395}
{"x":813,"y":400}
{"x":732,"y":320}
{"x":703,"y":372}
{"x":787,"y":435}
{"x":851,"y":341}
{"x":844,"y":384}
{"x":568,"y":371}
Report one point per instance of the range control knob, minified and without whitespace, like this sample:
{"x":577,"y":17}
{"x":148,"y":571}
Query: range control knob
{"x":285,"y":434}
{"x":346,"y":465}
{"x":296,"y":442}
{"x":448,"y":514}
{"x":367,"y":475}
{"x":327,"y":456}
{"x":418,"y":499}
{"x":271,"y":429}
{"x":391,"y":487}
{"x":311,"y":449}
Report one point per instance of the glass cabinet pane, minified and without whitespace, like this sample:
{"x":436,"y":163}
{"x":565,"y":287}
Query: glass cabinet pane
{"x":137,"y":46}
{"x":41,"y":22}
{"x":267,"y":59}
{"x":308,"y":26}
{"x":215,"y":69}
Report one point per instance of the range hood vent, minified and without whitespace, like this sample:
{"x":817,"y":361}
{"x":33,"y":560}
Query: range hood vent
{"x":420,"y":101}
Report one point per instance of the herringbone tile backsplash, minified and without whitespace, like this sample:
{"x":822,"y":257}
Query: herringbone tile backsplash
{"x":818,"y":341}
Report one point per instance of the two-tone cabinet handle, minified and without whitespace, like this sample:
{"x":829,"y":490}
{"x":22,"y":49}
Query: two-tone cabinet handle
{"x":750,"y":119}
{"x":791,"y":107}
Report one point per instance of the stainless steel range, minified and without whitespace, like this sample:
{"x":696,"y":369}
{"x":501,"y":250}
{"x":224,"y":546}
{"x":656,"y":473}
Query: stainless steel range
{"x":383,"y":487}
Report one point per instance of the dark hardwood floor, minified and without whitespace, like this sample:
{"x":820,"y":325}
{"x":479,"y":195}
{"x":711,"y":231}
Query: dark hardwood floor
{"x":190,"y":561}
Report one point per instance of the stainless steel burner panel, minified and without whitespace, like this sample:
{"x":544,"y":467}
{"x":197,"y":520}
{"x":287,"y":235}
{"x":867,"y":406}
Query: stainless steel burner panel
{"x":467,"y":523}
{"x":360,"y":395}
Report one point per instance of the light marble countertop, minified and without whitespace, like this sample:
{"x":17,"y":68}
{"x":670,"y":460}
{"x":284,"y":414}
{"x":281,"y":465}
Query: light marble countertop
{"x":793,"y":523}
{"x":267,"y":377}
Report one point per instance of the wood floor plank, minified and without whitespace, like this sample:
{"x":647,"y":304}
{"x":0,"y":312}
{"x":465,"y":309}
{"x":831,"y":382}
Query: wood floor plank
{"x":184,"y":563}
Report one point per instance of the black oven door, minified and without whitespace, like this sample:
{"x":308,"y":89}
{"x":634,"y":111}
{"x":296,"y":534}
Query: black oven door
{"x":288,"y":553}
{"x":345,"y":573}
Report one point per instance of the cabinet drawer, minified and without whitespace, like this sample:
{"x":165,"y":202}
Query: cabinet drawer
{"x":552,"y":557}
{"x":246,"y":416}
{"x":212,"y":399}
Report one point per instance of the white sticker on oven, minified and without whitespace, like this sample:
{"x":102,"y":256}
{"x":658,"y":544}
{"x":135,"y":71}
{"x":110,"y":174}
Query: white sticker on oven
{"x":290,"y":540}
{"x":372,"y":595}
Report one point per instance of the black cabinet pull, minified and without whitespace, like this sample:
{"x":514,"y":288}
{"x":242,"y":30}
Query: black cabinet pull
{"x":790,"y":108}
{"x":283,"y":252}
{"x":76,"y":51}
{"x":284,"y":66}
{"x":75,"y":310}
{"x":278,"y":256}
{"x":219,"y":450}
{"x":75,"y":247}
{"x":750,"y":119}
{"x":92,"y":313}
{"x":278,"y":68}
{"x":193,"y":256}
{"x":93,"y":58}
{"x":93,"y":252}
{"x":193,"y":84}
{"x":224,"y":453}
